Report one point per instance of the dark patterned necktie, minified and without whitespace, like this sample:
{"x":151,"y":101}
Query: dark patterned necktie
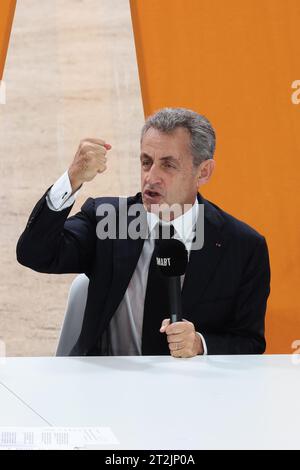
{"x":156,"y":307}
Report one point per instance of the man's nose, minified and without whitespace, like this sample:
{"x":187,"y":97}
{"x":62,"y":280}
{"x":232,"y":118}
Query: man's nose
{"x":154,"y":175}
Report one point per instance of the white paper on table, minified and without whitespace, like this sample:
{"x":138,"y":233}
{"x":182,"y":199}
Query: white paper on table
{"x":55,"y":437}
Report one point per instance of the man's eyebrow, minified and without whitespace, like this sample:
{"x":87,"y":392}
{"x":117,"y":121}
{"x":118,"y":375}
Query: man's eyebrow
{"x":166,"y":158}
{"x":170,"y":158}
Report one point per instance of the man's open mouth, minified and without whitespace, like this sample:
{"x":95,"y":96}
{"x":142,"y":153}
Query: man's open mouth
{"x":152,"y":194}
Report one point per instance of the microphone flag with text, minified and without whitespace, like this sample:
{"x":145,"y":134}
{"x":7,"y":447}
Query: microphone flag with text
{"x":172,"y":259}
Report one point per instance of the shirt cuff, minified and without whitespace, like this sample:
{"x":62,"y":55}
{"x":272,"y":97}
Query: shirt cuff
{"x":60,"y":195}
{"x":205,"y":353}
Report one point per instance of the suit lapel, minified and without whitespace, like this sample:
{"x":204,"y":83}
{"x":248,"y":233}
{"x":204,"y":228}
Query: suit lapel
{"x":203,"y":262}
{"x":126,"y":253}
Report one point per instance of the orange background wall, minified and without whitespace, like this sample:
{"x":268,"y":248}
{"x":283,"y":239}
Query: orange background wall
{"x":7,"y":8}
{"x":235,"y":62}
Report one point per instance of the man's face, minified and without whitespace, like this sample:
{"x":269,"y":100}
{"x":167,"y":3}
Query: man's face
{"x":167,"y":172}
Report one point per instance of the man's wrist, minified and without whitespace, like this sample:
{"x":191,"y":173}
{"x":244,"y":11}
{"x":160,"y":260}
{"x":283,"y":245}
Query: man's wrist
{"x":75,"y":182}
{"x":204,"y":345}
{"x":199,"y":345}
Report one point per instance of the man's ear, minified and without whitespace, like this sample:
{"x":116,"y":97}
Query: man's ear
{"x":206,"y":169}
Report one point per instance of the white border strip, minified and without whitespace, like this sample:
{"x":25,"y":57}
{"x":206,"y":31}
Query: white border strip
{"x":2,"y":92}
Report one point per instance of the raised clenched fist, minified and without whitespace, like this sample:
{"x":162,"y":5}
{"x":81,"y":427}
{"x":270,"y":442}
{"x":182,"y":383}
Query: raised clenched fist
{"x":89,"y":160}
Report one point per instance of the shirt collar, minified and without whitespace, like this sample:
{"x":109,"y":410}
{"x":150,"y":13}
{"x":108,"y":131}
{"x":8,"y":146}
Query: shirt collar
{"x":183,"y":225}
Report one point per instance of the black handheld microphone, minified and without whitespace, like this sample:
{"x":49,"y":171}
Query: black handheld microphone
{"x":172,"y":259}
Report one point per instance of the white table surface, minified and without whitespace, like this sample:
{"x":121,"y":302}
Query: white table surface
{"x":158,"y":402}
{"x":13,"y":411}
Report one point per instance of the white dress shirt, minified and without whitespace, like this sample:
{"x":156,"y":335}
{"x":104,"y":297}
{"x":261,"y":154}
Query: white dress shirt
{"x":124,"y":334}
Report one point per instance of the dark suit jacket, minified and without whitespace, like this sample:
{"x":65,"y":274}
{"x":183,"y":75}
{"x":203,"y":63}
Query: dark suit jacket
{"x":225,"y":289}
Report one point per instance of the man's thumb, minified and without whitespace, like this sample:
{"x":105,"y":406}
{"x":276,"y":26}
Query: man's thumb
{"x":164,"y":325}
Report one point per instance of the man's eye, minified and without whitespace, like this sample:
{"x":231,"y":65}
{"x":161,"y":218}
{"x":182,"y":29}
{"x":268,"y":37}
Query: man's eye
{"x":145,"y":163}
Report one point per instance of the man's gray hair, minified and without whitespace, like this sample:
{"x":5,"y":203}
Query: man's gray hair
{"x":203,"y":138}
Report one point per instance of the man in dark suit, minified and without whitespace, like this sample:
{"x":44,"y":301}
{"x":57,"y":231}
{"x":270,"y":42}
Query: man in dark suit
{"x":226,"y":284}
